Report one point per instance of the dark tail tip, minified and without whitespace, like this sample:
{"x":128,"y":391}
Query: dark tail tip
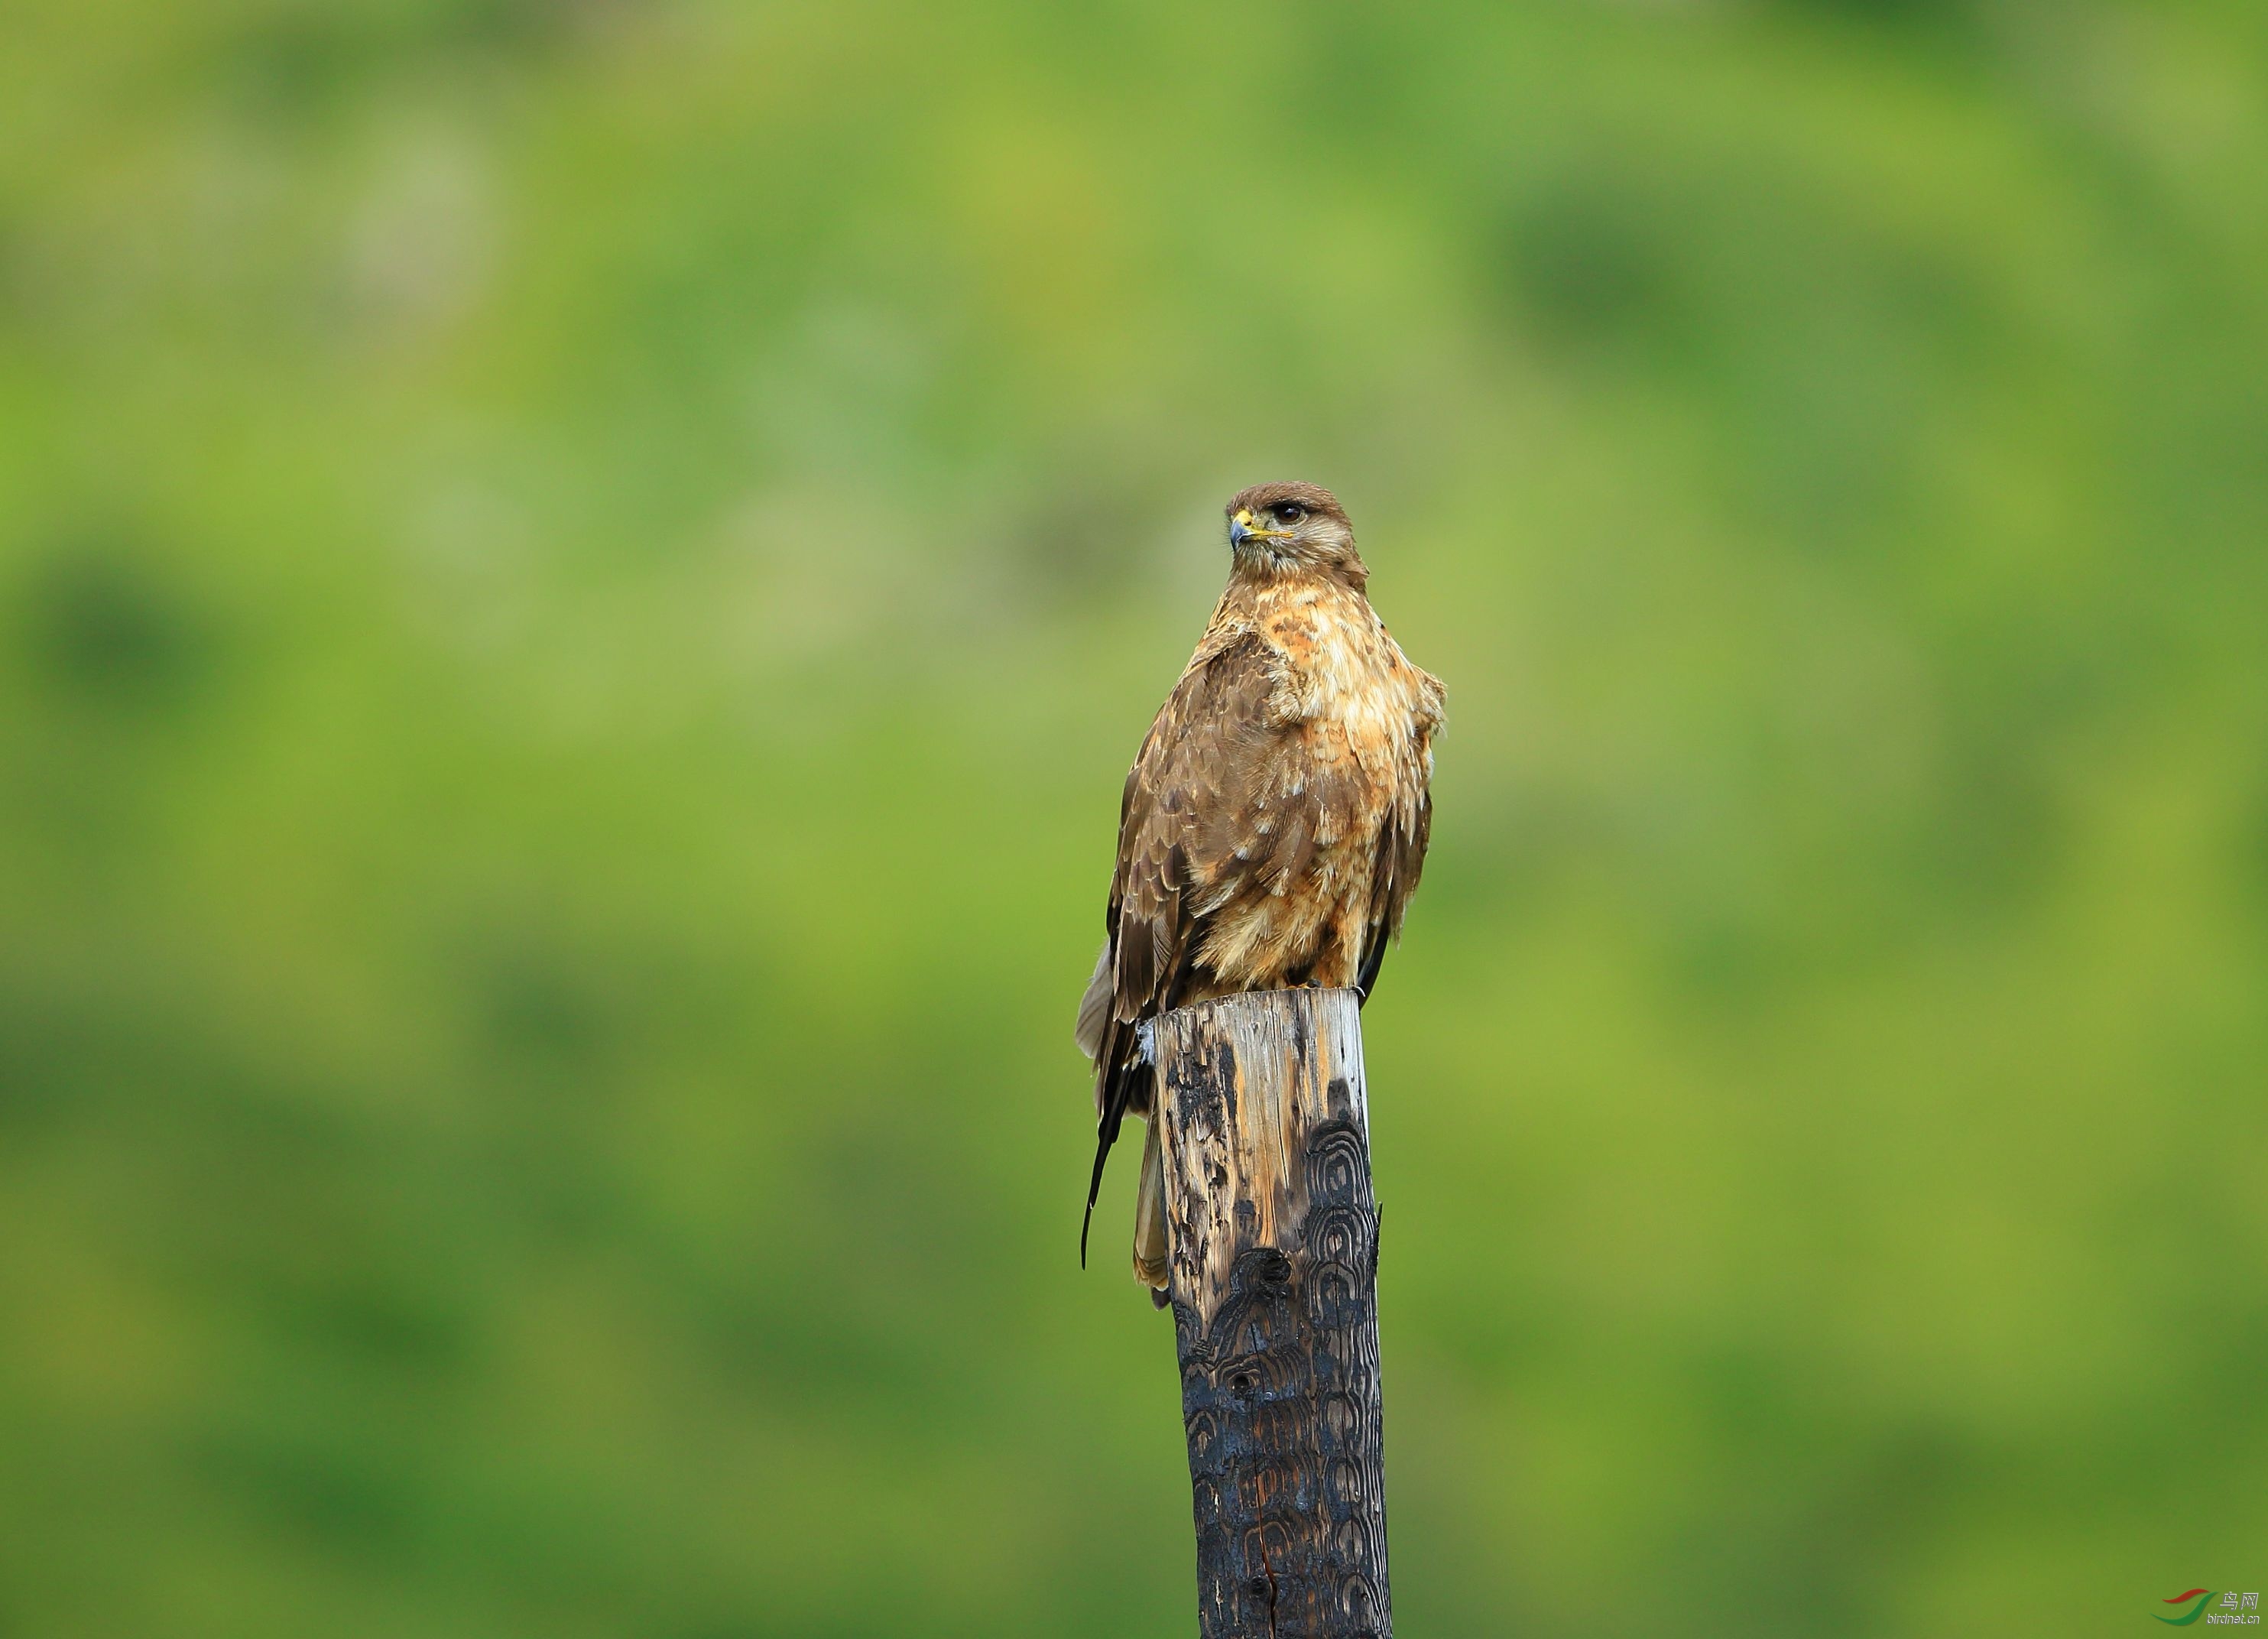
{"x":1104,"y":1141}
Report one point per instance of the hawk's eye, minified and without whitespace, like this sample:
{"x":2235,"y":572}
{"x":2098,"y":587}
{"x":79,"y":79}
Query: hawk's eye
{"x":1288,"y":512}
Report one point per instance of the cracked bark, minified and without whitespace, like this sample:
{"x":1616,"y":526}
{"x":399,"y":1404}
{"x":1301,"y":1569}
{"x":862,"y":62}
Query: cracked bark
{"x":1273,"y":1277}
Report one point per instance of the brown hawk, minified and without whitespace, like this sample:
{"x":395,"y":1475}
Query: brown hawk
{"x":1275,"y":821}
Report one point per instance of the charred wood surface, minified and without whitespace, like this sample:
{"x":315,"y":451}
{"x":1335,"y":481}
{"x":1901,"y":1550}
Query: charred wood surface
{"x":1274,"y":1288}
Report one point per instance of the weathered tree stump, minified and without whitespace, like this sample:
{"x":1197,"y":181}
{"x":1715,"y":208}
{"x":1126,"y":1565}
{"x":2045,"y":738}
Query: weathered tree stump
{"x":1274,"y":1282}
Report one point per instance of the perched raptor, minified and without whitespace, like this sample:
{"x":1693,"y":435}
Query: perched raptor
{"x":1275,"y":821}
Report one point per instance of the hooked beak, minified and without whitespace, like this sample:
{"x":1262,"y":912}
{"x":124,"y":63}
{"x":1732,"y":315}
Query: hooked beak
{"x":1244,"y":526}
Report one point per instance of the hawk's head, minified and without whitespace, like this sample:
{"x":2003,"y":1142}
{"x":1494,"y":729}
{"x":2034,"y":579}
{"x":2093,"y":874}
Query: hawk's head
{"x":1292,"y":526}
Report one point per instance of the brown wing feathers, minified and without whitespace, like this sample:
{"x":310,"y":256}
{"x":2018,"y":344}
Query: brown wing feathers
{"x":1177,"y":845}
{"x":1400,"y":859}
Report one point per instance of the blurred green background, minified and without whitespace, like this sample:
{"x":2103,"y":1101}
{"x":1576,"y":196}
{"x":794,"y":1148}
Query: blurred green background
{"x":576,"y":584}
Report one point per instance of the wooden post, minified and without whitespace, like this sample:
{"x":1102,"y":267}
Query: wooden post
{"x":1274,"y":1282}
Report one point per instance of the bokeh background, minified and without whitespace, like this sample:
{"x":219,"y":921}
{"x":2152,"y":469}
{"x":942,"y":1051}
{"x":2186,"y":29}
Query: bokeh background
{"x":577,"y":581}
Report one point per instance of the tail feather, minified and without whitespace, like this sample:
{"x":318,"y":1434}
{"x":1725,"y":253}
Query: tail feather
{"x":1106,"y":1135}
{"x":1111,"y":1094}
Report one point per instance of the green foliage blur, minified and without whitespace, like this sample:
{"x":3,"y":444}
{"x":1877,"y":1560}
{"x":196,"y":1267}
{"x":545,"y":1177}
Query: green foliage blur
{"x":577,"y":578}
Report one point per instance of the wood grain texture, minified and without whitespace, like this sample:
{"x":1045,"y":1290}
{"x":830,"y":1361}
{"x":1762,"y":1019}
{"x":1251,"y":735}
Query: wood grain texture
{"x":1274,"y":1280}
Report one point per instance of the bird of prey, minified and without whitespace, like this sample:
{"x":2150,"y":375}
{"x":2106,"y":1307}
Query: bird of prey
{"x":1274,"y":821}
